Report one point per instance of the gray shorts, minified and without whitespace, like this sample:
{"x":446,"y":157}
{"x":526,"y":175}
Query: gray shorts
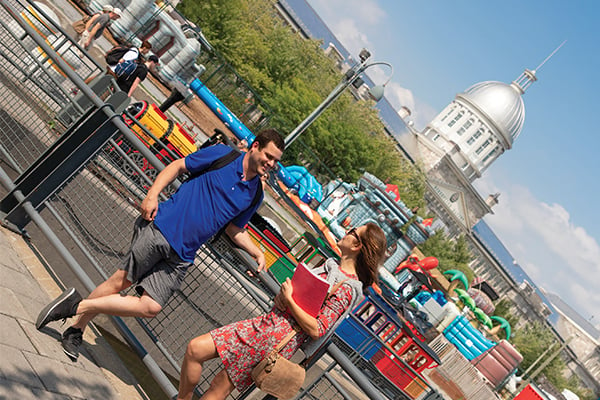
{"x":152,"y":264}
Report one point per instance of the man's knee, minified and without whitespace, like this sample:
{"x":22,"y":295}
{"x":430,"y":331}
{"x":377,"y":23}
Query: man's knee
{"x":118,"y":281}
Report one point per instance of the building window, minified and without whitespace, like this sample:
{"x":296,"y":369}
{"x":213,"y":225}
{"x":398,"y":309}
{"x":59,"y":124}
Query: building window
{"x":483,"y":146}
{"x":455,"y":119}
{"x":465,"y":126}
{"x":448,"y":113}
{"x":475,"y":136}
{"x":490,"y":154}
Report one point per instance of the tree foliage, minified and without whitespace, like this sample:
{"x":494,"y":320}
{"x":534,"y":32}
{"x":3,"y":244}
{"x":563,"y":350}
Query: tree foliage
{"x":451,"y":253}
{"x":531,"y":341}
{"x":503,"y":309}
{"x":293,"y":76}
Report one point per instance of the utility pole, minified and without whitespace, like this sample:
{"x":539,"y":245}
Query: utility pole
{"x":544,"y":364}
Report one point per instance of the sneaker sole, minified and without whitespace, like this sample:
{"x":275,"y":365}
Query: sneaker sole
{"x":73,"y":357}
{"x":41,"y":319}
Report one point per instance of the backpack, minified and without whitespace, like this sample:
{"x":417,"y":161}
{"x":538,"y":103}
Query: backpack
{"x":79,"y":25}
{"x":125,"y":68}
{"x":113,"y":56}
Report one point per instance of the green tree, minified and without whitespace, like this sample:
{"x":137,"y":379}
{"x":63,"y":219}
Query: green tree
{"x":293,"y":76}
{"x":451,"y":253}
{"x":531,"y":341}
{"x":504,"y":310}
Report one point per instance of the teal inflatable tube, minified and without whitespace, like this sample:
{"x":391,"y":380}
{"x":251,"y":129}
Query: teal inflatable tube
{"x":468,"y":340}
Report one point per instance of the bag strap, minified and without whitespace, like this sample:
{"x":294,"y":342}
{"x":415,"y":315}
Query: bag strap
{"x":286,"y":340}
{"x":335,"y":288}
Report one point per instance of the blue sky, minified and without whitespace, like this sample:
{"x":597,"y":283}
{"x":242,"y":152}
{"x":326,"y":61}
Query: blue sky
{"x":547,"y":216}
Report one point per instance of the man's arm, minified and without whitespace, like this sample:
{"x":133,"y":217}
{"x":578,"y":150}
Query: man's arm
{"x":134,"y":85}
{"x":91,"y":22}
{"x":242,"y":239}
{"x":150,"y":204}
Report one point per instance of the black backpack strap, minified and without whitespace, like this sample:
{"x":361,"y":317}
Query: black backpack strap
{"x":223,"y":161}
{"x":218,"y":163}
{"x":257,"y":196}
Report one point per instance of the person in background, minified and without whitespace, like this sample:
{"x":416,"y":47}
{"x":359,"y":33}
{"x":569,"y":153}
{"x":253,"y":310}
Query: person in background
{"x":242,"y":145}
{"x":129,"y":82}
{"x":94,"y":28}
{"x":167,"y":235}
{"x":242,"y":345}
{"x":133,"y":54}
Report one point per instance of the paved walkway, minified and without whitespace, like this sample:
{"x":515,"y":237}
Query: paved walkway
{"x":32,"y":363}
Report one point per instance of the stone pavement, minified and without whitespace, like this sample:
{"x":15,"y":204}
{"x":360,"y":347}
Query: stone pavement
{"x":32,"y":363}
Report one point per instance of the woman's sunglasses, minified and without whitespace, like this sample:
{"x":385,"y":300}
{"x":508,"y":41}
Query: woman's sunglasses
{"x":355,"y":234}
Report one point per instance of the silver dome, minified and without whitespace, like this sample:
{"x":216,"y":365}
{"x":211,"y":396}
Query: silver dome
{"x":501,"y":103}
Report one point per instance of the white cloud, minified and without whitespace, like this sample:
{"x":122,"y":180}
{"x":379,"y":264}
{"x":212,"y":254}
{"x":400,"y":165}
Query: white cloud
{"x":423,"y":114}
{"x":344,"y":17}
{"x":557,"y":254}
{"x":350,"y":36}
{"x":367,"y":11}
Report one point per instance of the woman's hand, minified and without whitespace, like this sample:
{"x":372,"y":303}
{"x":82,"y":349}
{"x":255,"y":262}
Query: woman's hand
{"x":287,"y":290}
{"x":284,"y":296}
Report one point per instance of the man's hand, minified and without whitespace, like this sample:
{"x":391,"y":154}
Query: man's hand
{"x":148,"y":208}
{"x":260,"y":259}
{"x":240,"y":237}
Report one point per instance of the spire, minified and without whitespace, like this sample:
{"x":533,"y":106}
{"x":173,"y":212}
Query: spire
{"x":528,"y":76}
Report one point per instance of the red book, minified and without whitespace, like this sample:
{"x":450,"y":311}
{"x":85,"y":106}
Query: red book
{"x":310,"y":290}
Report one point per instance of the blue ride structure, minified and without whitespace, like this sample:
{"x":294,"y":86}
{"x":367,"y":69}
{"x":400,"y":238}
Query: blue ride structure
{"x":294,"y":177}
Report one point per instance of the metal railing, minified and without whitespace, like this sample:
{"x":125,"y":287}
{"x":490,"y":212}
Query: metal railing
{"x":82,"y":189}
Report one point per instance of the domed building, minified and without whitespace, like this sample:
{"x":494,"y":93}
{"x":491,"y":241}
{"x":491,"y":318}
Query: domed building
{"x":459,"y":144}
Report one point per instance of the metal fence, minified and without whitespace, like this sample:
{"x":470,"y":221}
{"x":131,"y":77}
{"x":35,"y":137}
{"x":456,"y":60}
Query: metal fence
{"x":82,"y":188}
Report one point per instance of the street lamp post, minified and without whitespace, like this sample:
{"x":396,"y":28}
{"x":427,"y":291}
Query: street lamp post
{"x":352,"y":75}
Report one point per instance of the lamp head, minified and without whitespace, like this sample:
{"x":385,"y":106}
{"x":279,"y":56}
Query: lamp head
{"x":376,"y":92}
{"x":364,"y":55}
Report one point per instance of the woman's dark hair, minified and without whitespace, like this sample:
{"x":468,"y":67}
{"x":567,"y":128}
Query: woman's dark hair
{"x":371,"y":254}
{"x":270,"y":135}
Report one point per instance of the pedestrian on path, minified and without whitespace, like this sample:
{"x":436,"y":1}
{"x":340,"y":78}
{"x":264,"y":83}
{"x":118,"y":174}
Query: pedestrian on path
{"x":242,"y":345}
{"x":94,"y":28}
{"x":223,"y":192}
{"x":129,"y":81}
{"x":131,"y":54}
{"x":123,"y":54}
{"x":79,"y":25}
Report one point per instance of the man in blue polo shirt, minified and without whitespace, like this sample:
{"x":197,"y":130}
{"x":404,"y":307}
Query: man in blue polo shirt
{"x":167,"y":235}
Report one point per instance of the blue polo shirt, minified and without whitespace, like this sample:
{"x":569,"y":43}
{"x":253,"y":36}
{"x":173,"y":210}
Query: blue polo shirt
{"x":203,"y":205}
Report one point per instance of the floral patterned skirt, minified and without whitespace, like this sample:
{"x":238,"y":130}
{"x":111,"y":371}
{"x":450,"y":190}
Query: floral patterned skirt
{"x":244,"y":344}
